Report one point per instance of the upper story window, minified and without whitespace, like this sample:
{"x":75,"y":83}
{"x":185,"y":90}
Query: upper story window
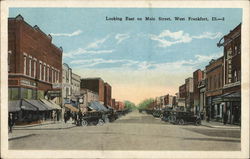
{"x":24,"y":64}
{"x":30,"y":66}
{"x":40,"y":70}
{"x":44,"y":72}
{"x":9,"y":60}
{"x":34,"y":72}
{"x":235,"y":76}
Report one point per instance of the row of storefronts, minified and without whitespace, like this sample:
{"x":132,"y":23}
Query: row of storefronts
{"x":216,"y":90}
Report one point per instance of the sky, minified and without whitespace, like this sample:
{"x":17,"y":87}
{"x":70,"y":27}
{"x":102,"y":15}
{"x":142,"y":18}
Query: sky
{"x":140,"y":59}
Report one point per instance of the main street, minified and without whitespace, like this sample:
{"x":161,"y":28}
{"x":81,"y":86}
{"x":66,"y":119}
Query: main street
{"x":135,"y":131}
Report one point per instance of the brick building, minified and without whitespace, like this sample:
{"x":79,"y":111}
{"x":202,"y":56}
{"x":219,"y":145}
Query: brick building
{"x":189,"y":100}
{"x":119,"y":105}
{"x":34,"y":62}
{"x":182,"y":95}
{"x":232,"y":75}
{"x":107,"y":94}
{"x":214,"y":77}
{"x":202,"y":93}
{"x":113,"y":103}
{"x":197,"y":77}
{"x":95,"y":85}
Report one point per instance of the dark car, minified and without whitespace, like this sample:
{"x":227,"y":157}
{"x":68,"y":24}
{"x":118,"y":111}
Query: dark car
{"x":167,"y":115}
{"x":157,"y":113}
{"x":182,"y":118}
{"x":93,"y":118}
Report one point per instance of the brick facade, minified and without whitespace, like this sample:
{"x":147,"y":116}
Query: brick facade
{"x":107,"y":94}
{"x":34,"y":63}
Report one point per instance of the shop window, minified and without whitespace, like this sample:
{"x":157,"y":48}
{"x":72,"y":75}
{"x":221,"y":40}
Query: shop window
{"x":13,"y":93}
{"x":29,"y":93}
{"x":40,"y":94}
{"x":24,"y":93}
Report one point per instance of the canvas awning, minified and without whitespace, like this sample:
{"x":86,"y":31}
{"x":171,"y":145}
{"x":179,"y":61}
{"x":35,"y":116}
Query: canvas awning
{"x":14,"y":105}
{"x":40,"y":105}
{"x":228,"y":97}
{"x":70,"y":107}
{"x":97,"y":106}
{"x":27,"y":106}
{"x":51,"y":104}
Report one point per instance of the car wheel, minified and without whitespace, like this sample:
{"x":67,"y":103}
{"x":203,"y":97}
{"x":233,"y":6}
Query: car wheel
{"x":100,"y":122}
{"x":181,"y":122}
{"x":197,"y":122}
{"x":161,"y":116}
{"x":84,"y":123}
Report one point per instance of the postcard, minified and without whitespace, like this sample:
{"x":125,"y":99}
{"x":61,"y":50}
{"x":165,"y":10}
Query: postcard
{"x":113,"y":79}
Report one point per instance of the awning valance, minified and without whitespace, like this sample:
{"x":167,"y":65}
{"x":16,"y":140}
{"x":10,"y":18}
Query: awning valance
{"x":228,"y":97}
{"x":51,"y":104}
{"x":14,"y":105}
{"x":70,"y":107}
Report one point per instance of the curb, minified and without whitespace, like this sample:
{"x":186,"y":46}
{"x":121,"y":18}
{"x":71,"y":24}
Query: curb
{"x":25,"y":126}
{"x":19,"y":137}
{"x":222,"y":127}
{"x":43,"y":128}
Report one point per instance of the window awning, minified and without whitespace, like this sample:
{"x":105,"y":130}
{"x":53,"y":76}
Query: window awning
{"x":228,"y":97}
{"x":28,"y":106}
{"x":51,"y":104}
{"x":40,"y":105}
{"x":14,"y":105}
{"x":97,"y":106}
{"x":70,"y":107}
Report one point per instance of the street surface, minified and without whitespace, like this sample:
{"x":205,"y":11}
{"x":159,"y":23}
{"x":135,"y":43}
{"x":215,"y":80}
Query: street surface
{"x":135,"y":131}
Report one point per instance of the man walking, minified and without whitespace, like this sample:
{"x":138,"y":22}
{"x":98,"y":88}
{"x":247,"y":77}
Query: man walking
{"x":11,"y":122}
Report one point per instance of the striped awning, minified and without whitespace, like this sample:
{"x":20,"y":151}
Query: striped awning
{"x":40,"y":105}
{"x":51,"y":104}
{"x":70,"y":107}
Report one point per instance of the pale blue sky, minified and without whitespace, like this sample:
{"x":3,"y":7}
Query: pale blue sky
{"x":96,"y":47}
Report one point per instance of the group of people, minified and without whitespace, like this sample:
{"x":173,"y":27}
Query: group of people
{"x":76,"y":117}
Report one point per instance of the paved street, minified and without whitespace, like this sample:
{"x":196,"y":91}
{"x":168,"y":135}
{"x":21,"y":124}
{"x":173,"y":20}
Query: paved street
{"x":134,"y":131}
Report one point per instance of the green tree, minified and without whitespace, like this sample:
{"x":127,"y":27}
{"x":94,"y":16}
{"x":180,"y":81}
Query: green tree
{"x":145,"y":103}
{"x":129,"y":105}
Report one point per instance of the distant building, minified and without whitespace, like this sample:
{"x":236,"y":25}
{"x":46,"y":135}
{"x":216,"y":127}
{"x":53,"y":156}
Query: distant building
{"x":197,"y":77}
{"x":113,"y":103}
{"x":107,"y":94}
{"x":202,"y":93}
{"x":119,"y":105}
{"x":88,"y":97}
{"x":34,"y":62}
{"x":95,"y":85}
{"x":182,"y":96}
{"x":214,"y":76}
{"x":76,"y":81}
{"x":66,"y":83}
{"x":189,"y":100}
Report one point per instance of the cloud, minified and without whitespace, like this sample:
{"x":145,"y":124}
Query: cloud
{"x":75,"y":33}
{"x":167,"y":38}
{"x":97,"y":43}
{"x":208,"y":35}
{"x":121,"y":37}
{"x":81,"y":51}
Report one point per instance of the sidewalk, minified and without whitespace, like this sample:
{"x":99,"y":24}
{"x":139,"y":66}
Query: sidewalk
{"x":17,"y":135}
{"x":50,"y":125}
{"x":213,"y":124}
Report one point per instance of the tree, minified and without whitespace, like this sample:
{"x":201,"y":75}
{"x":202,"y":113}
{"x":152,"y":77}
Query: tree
{"x":145,"y":103}
{"x":129,"y":105}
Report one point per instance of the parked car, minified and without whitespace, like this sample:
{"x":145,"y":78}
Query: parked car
{"x":157,"y":113}
{"x":93,"y":118}
{"x":182,"y":118}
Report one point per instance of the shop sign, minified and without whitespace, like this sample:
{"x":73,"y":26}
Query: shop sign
{"x":54,"y":93}
{"x":28,"y":83}
{"x":56,"y":85}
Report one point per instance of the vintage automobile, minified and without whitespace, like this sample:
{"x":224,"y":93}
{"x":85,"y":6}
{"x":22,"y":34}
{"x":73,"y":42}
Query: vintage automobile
{"x":157,"y":113}
{"x":93,"y":118}
{"x":167,"y":115}
{"x":182,"y":118}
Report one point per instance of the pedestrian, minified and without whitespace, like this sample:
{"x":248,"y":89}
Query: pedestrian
{"x":65,"y":117}
{"x":11,"y":122}
{"x":225,"y":118}
{"x":80,"y":117}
